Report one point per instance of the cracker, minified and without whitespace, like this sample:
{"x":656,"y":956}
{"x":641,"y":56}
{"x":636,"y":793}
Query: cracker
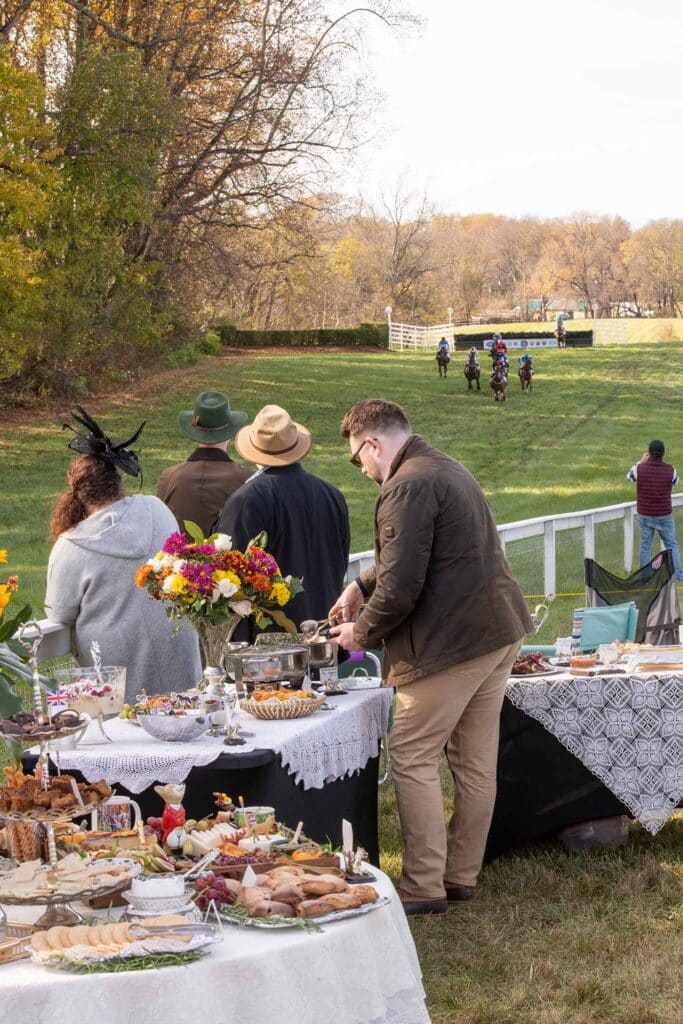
{"x":57,"y":937}
{"x":39,"y":942}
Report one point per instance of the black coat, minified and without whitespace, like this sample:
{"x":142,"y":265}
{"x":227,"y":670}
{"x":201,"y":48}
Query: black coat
{"x":307,"y":523}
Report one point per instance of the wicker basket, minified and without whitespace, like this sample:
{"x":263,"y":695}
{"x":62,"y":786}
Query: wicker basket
{"x":282,"y":710}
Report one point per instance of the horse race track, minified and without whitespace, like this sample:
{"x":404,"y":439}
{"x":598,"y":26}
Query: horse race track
{"x":552,"y":938}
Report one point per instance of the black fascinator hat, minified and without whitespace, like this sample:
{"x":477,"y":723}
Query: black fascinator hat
{"x":95,"y":442}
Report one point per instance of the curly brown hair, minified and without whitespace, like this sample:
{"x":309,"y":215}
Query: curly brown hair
{"x":374,"y":414}
{"x":92,"y":483}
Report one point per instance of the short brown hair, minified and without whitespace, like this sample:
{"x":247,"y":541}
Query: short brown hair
{"x":376,"y":415}
{"x":91,"y":482}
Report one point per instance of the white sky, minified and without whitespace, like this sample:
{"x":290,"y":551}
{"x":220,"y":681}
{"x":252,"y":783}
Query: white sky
{"x":533,"y":107}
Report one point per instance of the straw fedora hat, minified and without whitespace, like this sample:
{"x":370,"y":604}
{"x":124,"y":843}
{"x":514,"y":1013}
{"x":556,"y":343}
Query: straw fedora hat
{"x":273,"y":439}
{"x":212,"y":420}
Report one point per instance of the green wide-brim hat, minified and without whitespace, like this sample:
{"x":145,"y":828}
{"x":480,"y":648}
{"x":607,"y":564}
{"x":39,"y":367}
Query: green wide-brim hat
{"x":212,"y":420}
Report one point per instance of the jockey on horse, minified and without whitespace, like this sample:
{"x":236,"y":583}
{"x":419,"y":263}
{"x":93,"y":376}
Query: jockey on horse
{"x":443,"y":356}
{"x":526,"y":370}
{"x":472,"y":370}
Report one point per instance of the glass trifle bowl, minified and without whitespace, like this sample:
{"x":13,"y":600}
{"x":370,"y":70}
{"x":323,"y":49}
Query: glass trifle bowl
{"x":95,"y":692}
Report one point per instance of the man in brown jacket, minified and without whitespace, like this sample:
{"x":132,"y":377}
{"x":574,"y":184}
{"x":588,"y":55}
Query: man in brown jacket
{"x":197,"y":489}
{"x":444,"y":601}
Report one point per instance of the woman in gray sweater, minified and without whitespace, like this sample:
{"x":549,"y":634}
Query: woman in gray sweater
{"x":101,"y":537}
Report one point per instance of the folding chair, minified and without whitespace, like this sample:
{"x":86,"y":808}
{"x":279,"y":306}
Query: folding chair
{"x":652,"y":588}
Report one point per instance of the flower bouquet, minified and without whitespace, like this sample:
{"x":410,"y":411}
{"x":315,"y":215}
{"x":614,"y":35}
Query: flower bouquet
{"x":12,"y":656}
{"x":206,"y":582}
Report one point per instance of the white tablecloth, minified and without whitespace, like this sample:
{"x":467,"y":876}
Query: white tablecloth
{"x":325,"y":746}
{"x":359,"y":971}
{"x":628,"y":730}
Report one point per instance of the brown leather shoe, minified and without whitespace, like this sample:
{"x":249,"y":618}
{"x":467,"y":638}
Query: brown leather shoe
{"x":417,"y":905}
{"x":460,"y":893}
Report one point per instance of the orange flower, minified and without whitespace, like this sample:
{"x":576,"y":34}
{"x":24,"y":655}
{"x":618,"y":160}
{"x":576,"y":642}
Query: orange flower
{"x":235,"y":561}
{"x":142,"y":575}
{"x":260,"y":583}
{"x":13,"y":584}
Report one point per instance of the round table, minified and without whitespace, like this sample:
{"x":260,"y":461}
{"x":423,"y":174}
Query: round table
{"x":360,"y":971}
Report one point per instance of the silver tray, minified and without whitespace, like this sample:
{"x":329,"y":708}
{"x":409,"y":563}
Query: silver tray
{"x":553,"y":671}
{"x":57,"y":903}
{"x":296,"y":922}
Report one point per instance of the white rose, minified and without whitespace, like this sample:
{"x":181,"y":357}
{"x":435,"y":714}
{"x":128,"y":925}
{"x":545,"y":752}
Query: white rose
{"x":222,"y":542}
{"x":242,"y":608}
{"x":226,"y":588}
{"x":215,"y":594}
{"x":168,"y":583}
{"x":179,"y":564}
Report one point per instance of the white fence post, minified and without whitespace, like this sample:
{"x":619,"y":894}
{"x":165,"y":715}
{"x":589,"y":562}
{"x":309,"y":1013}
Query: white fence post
{"x":549,"y":563}
{"x":589,"y":537}
{"x":629,"y":516}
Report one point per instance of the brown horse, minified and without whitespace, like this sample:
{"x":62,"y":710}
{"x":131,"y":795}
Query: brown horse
{"x":525,"y":374}
{"x":472,"y":372}
{"x":442,"y":361}
{"x":499,"y":382}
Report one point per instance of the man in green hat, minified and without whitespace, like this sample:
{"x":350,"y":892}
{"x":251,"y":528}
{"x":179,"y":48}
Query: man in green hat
{"x":198,"y":488}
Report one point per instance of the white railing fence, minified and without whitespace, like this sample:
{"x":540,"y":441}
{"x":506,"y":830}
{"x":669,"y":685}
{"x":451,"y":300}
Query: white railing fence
{"x":57,"y":637}
{"x":413,"y":338}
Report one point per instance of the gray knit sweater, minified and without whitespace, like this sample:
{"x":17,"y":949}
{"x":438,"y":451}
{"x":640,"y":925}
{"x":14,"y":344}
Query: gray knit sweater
{"x":90,"y":587}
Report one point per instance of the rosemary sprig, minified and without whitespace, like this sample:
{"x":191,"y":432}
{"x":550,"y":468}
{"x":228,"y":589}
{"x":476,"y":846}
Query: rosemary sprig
{"x":239,"y":915}
{"x":152,"y":961}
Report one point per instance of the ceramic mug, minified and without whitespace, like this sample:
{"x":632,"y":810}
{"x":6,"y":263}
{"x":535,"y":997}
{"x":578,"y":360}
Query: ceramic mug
{"x":114,"y":815}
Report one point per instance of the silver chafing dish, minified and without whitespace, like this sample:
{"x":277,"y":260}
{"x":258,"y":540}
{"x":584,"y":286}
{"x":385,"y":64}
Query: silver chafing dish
{"x":263,"y":665}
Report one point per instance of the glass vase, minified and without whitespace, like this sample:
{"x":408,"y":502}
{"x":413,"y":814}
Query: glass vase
{"x":213,"y":637}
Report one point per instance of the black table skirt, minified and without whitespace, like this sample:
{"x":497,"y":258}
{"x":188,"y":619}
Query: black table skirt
{"x":260,"y":779}
{"x":542,"y":788}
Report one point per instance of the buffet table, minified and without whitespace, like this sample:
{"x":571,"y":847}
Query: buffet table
{"x":573,"y":749}
{"x":362,"y":971}
{"x":318,"y":769}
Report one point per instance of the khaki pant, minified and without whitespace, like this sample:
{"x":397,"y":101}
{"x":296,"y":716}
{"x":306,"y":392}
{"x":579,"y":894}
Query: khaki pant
{"x":459,"y":709}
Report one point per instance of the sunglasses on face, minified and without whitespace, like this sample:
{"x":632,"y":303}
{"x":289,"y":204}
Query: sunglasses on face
{"x":355,"y":458}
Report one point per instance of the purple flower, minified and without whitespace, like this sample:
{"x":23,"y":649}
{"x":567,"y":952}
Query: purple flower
{"x":204,"y":549}
{"x":199,"y":575}
{"x":260,"y":561}
{"x":175,"y":544}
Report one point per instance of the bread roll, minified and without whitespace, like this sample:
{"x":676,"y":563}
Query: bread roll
{"x":321,"y":885}
{"x":366,"y":893}
{"x":270,"y":908}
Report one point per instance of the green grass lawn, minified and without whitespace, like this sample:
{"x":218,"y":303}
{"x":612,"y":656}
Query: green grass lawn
{"x":552,"y":938}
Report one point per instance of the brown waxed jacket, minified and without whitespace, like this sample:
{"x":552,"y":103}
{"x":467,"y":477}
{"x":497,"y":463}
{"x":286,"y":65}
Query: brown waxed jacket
{"x":441,"y":590}
{"x":198,"y":488}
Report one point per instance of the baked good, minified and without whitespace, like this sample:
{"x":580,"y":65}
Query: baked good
{"x":321,"y":885}
{"x":328,"y":904}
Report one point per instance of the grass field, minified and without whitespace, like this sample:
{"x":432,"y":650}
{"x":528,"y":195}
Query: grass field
{"x":552,"y":938}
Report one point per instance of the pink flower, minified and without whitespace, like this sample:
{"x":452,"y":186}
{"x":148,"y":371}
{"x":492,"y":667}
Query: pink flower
{"x":199,"y":575}
{"x":204,"y":549}
{"x":175,"y":544}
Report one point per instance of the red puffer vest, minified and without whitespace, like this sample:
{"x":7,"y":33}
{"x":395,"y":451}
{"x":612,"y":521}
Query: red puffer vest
{"x":654,"y":481}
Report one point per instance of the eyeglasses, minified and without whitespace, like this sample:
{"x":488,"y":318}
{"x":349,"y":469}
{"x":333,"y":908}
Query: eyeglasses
{"x":355,"y":458}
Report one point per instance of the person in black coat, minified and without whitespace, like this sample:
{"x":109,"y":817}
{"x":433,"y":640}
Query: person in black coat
{"x":306,"y":518}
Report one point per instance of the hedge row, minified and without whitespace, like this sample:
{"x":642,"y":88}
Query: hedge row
{"x":369,"y":335}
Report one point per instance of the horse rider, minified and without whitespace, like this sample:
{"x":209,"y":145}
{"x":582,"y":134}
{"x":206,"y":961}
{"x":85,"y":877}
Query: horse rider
{"x":474,"y":357}
{"x":443,"y":349}
{"x":526,"y":359}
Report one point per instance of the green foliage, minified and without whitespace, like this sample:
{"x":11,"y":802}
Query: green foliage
{"x":365,"y":335}
{"x":210,"y":344}
{"x":182,"y":355}
{"x":27,"y":181}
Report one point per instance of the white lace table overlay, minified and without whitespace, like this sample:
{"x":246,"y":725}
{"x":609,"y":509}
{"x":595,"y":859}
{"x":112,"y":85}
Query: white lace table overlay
{"x":359,"y":971}
{"x":325,"y":746}
{"x":628,"y":730}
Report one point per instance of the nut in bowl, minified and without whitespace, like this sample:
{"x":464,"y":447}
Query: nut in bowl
{"x":174,"y":728}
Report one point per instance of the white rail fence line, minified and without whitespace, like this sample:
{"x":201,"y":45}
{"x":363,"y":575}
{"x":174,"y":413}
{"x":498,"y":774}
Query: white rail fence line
{"x":57,"y":637}
{"x":412,"y":337}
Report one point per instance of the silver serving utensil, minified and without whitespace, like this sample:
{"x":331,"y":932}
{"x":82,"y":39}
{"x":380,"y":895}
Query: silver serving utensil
{"x":142,"y":931}
{"x":203,"y":862}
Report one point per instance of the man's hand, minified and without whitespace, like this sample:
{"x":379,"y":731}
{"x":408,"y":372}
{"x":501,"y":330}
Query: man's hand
{"x":347,"y":606}
{"x":344,"y":636}
{"x":645,"y":457}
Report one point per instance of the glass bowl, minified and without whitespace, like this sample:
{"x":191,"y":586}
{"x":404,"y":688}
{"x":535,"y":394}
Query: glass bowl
{"x":85,"y":692}
{"x":174,"y":728}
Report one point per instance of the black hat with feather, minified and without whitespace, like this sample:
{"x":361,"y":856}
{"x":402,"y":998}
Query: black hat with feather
{"x":96,"y":443}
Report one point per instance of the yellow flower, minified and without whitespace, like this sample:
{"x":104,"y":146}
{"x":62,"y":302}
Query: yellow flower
{"x":178,"y":585}
{"x":4,"y":598}
{"x":3,"y":555}
{"x":280,"y":592}
{"x":222,"y":574}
